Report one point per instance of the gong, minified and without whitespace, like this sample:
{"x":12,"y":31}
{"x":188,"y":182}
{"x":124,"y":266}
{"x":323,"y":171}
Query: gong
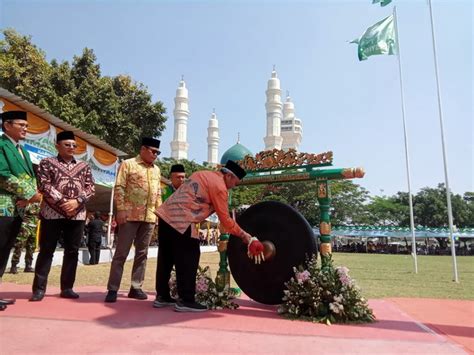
{"x":288,"y":239}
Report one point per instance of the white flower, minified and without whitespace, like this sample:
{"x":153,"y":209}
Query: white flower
{"x":339,"y":298}
{"x":334,"y":307}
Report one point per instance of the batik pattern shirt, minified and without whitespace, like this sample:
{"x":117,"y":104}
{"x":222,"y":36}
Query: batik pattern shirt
{"x":196,"y":199}
{"x":137,"y":190}
{"x":60,"y":181}
{"x":21,"y":187}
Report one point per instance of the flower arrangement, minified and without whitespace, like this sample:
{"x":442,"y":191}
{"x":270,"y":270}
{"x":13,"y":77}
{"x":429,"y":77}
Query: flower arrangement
{"x":325,"y":295}
{"x":206,"y":291}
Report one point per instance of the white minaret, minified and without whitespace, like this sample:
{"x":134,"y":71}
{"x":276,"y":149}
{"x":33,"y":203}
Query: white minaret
{"x":273,"y":106}
{"x":213,"y":140}
{"x":291,"y":130}
{"x":179,"y":145}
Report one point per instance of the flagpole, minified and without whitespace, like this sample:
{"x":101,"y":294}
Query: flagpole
{"x":111,"y":208}
{"x":445,"y":160}
{"x":407,"y":158}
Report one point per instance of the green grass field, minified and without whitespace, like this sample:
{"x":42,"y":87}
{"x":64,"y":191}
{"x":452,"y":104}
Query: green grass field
{"x":377,"y":275}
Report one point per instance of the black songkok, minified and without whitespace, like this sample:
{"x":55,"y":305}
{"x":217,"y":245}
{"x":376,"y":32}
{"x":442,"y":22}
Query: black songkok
{"x":64,"y":136}
{"x":151,"y":142}
{"x":236,"y":169}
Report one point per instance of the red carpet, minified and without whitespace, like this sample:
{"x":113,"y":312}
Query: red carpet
{"x":87,"y":325}
{"x":454,"y":319}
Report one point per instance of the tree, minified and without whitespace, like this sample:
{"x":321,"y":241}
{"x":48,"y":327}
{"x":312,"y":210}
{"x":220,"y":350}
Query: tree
{"x":430,"y":208}
{"x":469,"y":199}
{"x":116,"y":109}
{"x":349,"y":202}
{"x":142,"y":116}
{"x":386,"y":211}
{"x":23,"y":67}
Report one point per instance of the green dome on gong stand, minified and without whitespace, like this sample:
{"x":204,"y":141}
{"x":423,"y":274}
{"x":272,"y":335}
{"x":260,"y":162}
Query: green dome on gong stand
{"x":236,"y":152}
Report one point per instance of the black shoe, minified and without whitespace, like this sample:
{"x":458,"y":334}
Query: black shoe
{"x":6,"y":302}
{"x":182,"y":306}
{"x":137,"y":293}
{"x":29,"y":269}
{"x":13,"y":270}
{"x":68,"y":293}
{"x":161,"y":302}
{"x":3,"y":307}
{"x":37,"y":296}
{"x":111,"y":297}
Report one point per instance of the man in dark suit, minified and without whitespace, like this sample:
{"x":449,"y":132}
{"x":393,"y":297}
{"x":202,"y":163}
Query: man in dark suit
{"x":17,"y":184}
{"x":95,"y":231}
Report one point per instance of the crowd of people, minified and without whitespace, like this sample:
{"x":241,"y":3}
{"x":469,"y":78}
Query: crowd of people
{"x":403,"y":246}
{"x":60,"y":190}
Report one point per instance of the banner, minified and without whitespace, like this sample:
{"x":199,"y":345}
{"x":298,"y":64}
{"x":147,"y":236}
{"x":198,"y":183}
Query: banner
{"x":43,"y":147}
{"x":378,"y":39}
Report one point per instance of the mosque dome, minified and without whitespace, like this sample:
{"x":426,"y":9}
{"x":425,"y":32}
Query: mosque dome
{"x":236,"y":152}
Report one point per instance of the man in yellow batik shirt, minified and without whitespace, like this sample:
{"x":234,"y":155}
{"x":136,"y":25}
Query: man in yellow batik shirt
{"x":137,"y":196}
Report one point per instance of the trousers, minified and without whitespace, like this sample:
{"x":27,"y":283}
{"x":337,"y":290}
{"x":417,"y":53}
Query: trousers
{"x":138,"y":234}
{"x":183,"y":252}
{"x":50,"y":232}
{"x":9,"y":228}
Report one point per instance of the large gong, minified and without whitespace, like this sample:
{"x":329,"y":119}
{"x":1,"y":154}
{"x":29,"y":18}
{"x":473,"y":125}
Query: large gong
{"x":287,"y":236}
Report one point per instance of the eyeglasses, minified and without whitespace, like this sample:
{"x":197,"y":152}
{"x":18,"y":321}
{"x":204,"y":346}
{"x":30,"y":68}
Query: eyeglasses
{"x":21,"y":125}
{"x":153,"y":151}
{"x":70,"y":145}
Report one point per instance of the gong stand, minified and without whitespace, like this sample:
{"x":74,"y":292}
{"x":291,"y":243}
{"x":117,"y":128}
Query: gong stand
{"x":277,"y":166}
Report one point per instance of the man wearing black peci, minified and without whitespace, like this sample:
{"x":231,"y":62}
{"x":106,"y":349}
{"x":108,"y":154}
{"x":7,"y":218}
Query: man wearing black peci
{"x":66,"y":184}
{"x":17,"y":184}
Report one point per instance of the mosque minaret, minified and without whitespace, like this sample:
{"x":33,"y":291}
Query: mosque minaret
{"x":283,"y":129}
{"x":180,"y":145}
{"x":273,"y":107}
{"x":213,"y":140}
{"x":291,"y":130}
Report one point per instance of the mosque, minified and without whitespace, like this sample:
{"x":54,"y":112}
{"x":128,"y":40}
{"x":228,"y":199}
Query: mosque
{"x":284,"y":130}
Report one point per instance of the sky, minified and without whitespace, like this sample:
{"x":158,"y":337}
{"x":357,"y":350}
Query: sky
{"x":226,"y":51}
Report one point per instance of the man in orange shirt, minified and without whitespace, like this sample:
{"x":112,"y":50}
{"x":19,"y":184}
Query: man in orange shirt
{"x":204,"y":193}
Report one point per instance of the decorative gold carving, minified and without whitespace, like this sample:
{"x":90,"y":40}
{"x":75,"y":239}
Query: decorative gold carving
{"x":347,"y":173}
{"x":325,"y":248}
{"x":325,"y":228}
{"x":351,"y":173}
{"x":222,"y":246}
{"x":271,"y":159}
{"x":322,"y":191}
{"x":359,"y":172}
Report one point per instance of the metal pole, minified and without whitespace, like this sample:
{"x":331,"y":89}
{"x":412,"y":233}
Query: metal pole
{"x":445,"y":160}
{"x":111,"y":209}
{"x":407,"y":158}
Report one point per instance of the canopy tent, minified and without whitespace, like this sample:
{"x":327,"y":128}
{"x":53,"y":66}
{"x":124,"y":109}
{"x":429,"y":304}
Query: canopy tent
{"x":40,"y":143}
{"x":398,"y":232}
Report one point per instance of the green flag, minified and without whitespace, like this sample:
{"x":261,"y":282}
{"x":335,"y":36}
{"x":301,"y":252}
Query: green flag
{"x":378,"y":39}
{"x":382,"y":2}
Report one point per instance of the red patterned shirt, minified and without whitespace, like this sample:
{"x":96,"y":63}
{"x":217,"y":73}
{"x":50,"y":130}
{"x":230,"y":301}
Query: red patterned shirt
{"x":60,"y":181}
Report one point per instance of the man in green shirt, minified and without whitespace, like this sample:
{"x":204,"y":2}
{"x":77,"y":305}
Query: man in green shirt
{"x":177,"y":177}
{"x":17,"y":184}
